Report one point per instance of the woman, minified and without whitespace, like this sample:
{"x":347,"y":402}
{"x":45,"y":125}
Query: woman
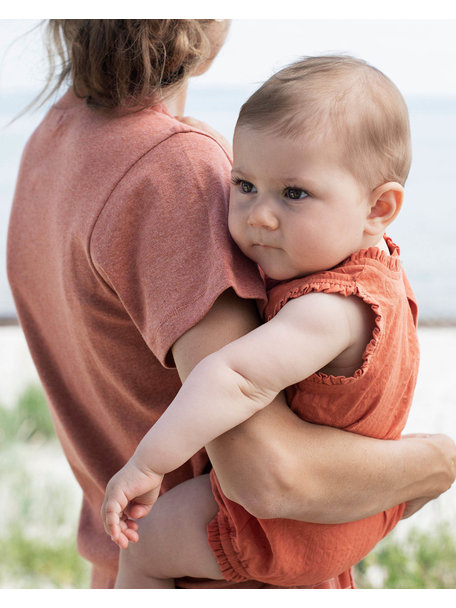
{"x":124,"y":277}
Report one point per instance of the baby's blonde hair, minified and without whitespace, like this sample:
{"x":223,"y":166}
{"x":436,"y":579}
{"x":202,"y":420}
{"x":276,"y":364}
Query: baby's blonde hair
{"x":363,"y":108}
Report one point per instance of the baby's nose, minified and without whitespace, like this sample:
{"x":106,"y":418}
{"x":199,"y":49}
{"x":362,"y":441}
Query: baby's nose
{"x":262,"y":216}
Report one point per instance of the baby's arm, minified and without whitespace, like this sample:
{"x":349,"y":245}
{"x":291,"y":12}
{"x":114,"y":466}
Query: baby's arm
{"x":235,"y":382}
{"x":225,"y":389}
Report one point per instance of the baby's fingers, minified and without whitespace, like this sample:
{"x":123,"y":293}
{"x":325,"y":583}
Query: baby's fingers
{"x":131,"y":535}
{"x":138,"y":511}
{"x":111,"y":513}
{"x":125,"y":535}
{"x":121,"y":540}
{"x":128,"y":530}
{"x":112,"y":525}
{"x":131,"y":524}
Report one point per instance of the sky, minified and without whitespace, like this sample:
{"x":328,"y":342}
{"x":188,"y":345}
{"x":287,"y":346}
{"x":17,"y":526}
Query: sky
{"x":418,"y":54}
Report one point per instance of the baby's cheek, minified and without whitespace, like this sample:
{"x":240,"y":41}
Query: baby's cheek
{"x":234,"y":225}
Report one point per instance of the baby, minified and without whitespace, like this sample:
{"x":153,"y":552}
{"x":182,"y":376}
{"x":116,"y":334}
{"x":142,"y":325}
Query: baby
{"x":321,"y":155}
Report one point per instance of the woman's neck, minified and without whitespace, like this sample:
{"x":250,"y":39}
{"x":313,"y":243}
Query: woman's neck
{"x":175,"y":102}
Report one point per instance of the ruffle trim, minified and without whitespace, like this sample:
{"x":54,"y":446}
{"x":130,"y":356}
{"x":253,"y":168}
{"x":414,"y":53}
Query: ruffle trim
{"x":218,"y":538}
{"x":221,"y":544}
{"x":391,"y":261}
{"x":349,"y":288}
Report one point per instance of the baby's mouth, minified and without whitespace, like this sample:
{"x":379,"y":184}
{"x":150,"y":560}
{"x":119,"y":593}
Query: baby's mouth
{"x":264,"y":245}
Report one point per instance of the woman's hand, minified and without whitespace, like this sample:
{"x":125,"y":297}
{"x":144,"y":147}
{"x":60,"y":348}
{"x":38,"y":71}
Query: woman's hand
{"x":130,"y":494}
{"x":447,"y":448}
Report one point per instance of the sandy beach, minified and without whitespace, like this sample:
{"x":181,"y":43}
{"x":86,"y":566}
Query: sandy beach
{"x":433,"y":410}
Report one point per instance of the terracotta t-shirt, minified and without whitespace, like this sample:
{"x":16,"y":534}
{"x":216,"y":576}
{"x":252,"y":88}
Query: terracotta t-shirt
{"x":117,"y":246}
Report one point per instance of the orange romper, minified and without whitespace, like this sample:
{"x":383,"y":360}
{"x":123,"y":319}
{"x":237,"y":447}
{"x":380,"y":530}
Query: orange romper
{"x":375,"y":402}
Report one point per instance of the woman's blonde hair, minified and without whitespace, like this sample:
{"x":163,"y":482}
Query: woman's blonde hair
{"x":117,"y":62}
{"x":343,"y":97}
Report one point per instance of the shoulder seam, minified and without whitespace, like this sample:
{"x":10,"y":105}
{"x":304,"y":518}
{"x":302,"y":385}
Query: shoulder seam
{"x":127,"y":171}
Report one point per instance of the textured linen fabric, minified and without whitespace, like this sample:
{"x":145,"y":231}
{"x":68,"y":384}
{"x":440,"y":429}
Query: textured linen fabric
{"x":375,"y":401}
{"x":117,"y":245}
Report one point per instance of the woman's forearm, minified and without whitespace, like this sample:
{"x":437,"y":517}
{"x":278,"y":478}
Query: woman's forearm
{"x":276,"y":465}
{"x":361,"y":477}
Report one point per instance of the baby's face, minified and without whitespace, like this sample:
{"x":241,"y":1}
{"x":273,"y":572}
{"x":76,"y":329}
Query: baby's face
{"x":294,"y":209}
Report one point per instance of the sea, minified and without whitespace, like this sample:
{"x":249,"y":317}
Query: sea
{"x":425,"y":229}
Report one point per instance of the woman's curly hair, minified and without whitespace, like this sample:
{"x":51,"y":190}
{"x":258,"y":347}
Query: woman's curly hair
{"x":117,"y":62}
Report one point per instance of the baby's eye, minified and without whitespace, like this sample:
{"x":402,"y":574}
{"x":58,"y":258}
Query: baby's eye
{"x":243,"y":185}
{"x":295,"y":194}
{"x":246,"y":187}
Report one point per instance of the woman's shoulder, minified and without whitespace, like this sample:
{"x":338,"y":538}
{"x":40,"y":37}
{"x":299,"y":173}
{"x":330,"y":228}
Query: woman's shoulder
{"x":195,"y":138}
{"x":129,"y":134}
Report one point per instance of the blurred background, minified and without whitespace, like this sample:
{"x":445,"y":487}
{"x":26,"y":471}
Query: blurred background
{"x":37,"y":487}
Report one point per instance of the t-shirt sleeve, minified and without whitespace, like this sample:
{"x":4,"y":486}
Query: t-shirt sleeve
{"x":162,"y":243}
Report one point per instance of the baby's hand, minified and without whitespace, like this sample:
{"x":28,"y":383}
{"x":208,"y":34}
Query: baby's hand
{"x":131,"y":493}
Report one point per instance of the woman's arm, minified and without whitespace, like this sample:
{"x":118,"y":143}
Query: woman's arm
{"x":321,"y":474}
{"x":276,"y":465}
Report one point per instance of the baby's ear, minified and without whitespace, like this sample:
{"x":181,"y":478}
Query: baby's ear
{"x":385,"y":204}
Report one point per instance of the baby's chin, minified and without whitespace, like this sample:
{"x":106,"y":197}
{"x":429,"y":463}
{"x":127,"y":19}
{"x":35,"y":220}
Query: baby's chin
{"x":287,"y":274}
{"x":280,"y":275}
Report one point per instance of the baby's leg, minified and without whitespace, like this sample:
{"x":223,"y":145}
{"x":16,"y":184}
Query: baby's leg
{"x":172,"y":540}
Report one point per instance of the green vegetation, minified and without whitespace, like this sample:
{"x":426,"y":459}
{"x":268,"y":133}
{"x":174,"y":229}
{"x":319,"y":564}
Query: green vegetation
{"x":38,"y":535}
{"x":29,"y":420}
{"x":423,"y":560}
{"x":34,"y":563}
